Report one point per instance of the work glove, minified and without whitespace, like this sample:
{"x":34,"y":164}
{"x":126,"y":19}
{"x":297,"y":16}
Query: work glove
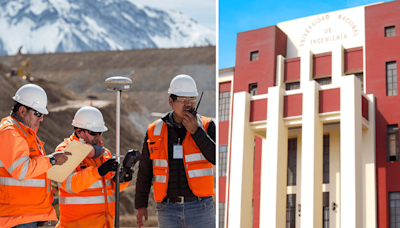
{"x":131,"y":157}
{"x":110,"y":165}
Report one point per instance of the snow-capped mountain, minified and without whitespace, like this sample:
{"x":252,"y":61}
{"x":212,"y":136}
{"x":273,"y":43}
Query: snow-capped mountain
{"x":46,"y":26}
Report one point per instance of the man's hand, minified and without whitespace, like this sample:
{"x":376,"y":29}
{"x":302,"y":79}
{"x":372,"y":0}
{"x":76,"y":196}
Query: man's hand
{"x":190,"y":123}
{"x":61,"y":157}
{"x":139,"y":216}
{"x":110,"y":165}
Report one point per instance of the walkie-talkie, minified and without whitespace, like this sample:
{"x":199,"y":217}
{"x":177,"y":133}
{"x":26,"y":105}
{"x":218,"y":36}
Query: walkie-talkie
{"x":194,"y":111}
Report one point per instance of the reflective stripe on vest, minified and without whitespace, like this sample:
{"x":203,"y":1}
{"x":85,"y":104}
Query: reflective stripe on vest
{"x":9,"y":181}
{"x":68,"y":186}
{"x":160,"y":178}
{"x":86,"y":200}
{"x":16,"y":123}
{"x":40,"y":147}
{"x":200,"y":173}
{"x":99,"y":184}
{"x":160,"y":162}
{"x":157,"y":129}
{"x":194,"y":157}
{"x":23,"y":160}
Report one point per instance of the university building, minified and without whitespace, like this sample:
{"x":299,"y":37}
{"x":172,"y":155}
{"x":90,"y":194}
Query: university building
{"x":308,"y":123}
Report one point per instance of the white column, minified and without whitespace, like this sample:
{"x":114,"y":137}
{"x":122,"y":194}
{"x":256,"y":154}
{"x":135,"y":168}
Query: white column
{"x":280,"y":70}
{"x":337,"y":63}
{"x":306,"y":67}
{"x":369,"y":180}
{"x":242,"y":158}
{"x":274,"y":164}
{"x":351,"y":205}
{"x":311,"y":168}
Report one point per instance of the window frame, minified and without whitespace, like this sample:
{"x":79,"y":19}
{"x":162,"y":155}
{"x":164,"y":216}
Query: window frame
{"x":325,"y":209}
{"x":291,"y":85}
{"x":251,"y":88}
{"x":391,"y":75}
{"x":292,"y":150}
{"x":390,"y":130}
{"x":322,"y":81}
{"x":326,"y":152}
{"x":254,"y":56}
{"x":224,"y":104}
{"x":222,"y":161}
{"x":391,"y":30}
{"x":291,"y":211}
{"x":389,"y":209}
{"x":221,"y":217}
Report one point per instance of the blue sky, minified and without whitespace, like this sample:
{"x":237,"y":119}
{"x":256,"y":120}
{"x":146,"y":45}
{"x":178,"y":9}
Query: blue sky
{"x":238,"y":16}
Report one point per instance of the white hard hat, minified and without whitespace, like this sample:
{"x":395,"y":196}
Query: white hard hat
{"x":32,"y":96}
{"x":183,"y":85}
{"x":89,"y":118}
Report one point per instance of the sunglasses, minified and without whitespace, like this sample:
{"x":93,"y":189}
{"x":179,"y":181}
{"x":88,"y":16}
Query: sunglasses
{"x":92,"y":133}
{"x":36,"y":113}
{"x":185,"y":99}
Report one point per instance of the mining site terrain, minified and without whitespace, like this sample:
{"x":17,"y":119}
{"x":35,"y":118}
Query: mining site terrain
{"x":74,"y":80}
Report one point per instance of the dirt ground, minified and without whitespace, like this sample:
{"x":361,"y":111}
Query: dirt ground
{"x":70,"y":78}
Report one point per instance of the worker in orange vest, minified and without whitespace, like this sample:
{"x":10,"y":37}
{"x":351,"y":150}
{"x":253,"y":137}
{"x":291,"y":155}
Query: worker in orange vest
{"x":25,"y":192}
{"x":87,"y":195}
{"x":177,"y":158}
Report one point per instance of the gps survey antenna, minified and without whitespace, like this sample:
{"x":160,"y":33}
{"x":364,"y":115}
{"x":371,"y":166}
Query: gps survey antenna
{"x":118,"y":84}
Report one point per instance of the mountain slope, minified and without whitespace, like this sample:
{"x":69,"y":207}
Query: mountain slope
{"x":47,"y":26}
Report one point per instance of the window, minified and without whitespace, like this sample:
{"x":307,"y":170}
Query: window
{"x":254,"y":56}
{"x":292,"y":162}
{"x":223,"y":159}
{"x":221,"y":211}
{"x":292,"y":85}
{"x":224,"y":104}
{"x":325,"y":207}
{"x":291,"y":211}
{"x":393,"y":143}
{"x":394,"y":209}
{"x":390,"y":31}
{"x":326,"y":160}
{"x":253,"y":89}
{"x":391,"y":78}
{"x":324,"y":81}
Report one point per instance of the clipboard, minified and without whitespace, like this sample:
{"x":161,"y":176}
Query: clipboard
{"x":79,"y":152}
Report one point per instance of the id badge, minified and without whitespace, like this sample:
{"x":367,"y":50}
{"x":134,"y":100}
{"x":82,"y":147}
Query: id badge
{"x":178,"y":152}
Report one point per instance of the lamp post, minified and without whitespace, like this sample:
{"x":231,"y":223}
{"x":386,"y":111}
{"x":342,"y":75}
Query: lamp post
{"x":118,"y":84}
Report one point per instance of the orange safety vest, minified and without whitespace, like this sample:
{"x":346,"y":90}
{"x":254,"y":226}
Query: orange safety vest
{"x":25,"y":194}
{"x":86,"y":198}
{"x":199,"y":171}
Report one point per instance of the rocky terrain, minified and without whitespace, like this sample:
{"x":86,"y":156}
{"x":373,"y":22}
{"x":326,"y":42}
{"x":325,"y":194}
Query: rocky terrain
{"x":73,"y":80}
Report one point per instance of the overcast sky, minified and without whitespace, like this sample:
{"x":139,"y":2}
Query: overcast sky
{"x":203,"y":11}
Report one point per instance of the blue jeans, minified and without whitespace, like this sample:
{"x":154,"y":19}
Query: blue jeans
{"x":193,"y":214}
{"x":27,"y":225}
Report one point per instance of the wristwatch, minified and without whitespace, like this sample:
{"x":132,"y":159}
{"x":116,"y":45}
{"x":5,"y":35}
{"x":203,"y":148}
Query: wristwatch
{"x":53,"y":160}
